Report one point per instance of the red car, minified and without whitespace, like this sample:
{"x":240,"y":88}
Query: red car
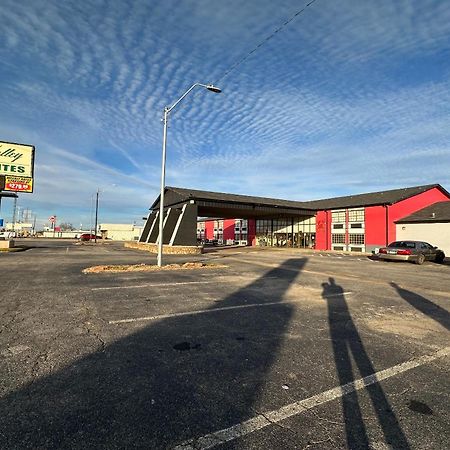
{"x":88,"y":237}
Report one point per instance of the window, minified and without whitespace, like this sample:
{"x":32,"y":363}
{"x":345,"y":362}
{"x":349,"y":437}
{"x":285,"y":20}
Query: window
{"x":356,"y":225}
{"x":356,"y":239}
{"x":356,"y":215}
{"x":338,"y":216}
{"x":263,"y":226}
{"x":402,"y":244}
{"x":338,"y":226}
{"x":338,"y":238}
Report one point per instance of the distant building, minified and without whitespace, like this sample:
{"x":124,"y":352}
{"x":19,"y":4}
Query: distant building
{"x":120,"y":231}
{"x":21,"y":228}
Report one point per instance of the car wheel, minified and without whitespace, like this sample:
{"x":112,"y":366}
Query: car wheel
{"x":439,"y":258}
{"x":420,"y":259}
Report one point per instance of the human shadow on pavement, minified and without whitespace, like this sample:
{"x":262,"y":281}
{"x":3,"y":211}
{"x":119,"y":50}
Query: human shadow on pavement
{"x":424,"y":305}
{"x":347,"y":343}
{"x":175,"y":379}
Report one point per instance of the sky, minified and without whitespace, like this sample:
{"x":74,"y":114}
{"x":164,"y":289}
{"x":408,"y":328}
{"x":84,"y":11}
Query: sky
{"x":349,"y":97}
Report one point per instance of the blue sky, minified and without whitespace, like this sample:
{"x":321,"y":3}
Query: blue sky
{"x":352,"y":96}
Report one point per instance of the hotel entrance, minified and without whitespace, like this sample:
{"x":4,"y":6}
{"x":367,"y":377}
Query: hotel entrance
{"x":289,"y":232}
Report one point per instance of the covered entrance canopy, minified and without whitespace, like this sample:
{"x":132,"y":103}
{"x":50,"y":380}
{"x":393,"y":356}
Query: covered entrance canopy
{"x":183,"y":206}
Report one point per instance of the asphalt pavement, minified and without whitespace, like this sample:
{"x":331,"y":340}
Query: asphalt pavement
{"x":281,"y":348}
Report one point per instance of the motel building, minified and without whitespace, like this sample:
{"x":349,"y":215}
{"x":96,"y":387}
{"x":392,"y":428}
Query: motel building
{"x":356,"y":223}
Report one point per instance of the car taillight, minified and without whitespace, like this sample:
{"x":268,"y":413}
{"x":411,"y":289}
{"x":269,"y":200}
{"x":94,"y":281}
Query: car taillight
{"x":403,"y":252}
{"x":382,"y":250}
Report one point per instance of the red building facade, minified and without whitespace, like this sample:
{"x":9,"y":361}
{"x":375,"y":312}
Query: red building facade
{"x":227,"y":231}
{"x":359,"y":223}
{"x":342,"y":229}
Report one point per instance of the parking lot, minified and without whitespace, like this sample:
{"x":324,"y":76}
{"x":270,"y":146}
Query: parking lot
{"x":279,"y":349}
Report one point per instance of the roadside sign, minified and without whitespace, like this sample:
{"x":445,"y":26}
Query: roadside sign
{"x":18,"y":184}
{"x":17,"y":164}
{"x":52,"y":219}
{"x":1,"y":222}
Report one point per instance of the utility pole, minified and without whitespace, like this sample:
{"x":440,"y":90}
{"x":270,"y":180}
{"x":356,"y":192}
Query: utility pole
{"x":96,"y":216}
{"x":14,"y":214}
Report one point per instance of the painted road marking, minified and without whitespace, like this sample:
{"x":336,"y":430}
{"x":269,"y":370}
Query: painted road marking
{"x":212,"y":310}
{"x":264,"y":420}
{"x":168,"y":285}
{"x":161,"y":285}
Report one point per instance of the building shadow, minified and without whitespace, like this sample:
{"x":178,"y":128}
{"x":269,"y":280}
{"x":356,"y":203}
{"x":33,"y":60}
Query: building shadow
{"x":175,"y":379}
{"x":347,"y":345}
{"x":424,"y":305}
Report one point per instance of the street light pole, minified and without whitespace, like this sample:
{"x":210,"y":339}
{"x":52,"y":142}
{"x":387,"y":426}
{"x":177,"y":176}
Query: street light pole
{"x":167,"y":110}
{"x":161,"y":194}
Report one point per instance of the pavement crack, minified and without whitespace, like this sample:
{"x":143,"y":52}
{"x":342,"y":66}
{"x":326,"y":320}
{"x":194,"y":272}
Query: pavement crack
{"x":314,"y":443}
{"x":273,"y":422}
{"x":36,"y":365}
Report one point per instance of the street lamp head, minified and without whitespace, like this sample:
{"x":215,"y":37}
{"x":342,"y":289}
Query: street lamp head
{"x":213,"y":88}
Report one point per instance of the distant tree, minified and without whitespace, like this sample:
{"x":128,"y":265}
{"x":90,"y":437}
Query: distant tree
{"x":67,"y":227}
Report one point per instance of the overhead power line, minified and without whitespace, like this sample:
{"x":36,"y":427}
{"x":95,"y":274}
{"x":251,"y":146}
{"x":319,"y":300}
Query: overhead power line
{"x":268,"y":38}
{"x":264,"y":41}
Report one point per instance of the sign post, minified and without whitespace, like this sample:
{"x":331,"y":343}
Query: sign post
{"x":52,"y":220}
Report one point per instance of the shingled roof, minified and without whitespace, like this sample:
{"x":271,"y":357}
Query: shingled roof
{"x":438,"y":212}
{"x":178,"y":195}
{"x":188,"y":194}
{"x":371,"y":199}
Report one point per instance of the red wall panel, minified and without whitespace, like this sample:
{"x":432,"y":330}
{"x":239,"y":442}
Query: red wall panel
{"x":323,"y":235}
{"x":251,"y":237}
{"x":209,"y":229}
{"x":413,"y":204}
{"x":228,"y":229}
{"x":375,"y":218}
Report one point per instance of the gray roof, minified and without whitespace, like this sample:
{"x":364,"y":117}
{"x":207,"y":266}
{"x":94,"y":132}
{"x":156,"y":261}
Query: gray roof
{"x":188,"y":194}
{"x":372,"y":198}
{"x":350,"y":201}
{"x":438,"y":212}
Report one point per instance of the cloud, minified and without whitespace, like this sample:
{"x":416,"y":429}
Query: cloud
{"x":348,"y":97}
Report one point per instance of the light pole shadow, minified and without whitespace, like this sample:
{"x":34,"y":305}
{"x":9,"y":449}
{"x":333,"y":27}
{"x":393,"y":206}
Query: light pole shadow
{"x":175,"y":379}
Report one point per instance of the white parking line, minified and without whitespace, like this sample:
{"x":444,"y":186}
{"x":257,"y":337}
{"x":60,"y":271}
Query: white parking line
{"x":264,"y":420}
{"x":206,"y":311}
{"x":168,"y":285}
{"x":160,"y":285}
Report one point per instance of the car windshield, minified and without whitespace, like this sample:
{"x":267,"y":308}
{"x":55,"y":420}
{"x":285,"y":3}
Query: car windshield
{"x":402,"y":244}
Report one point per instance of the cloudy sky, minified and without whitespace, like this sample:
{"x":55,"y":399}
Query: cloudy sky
{"x":350,"y":97}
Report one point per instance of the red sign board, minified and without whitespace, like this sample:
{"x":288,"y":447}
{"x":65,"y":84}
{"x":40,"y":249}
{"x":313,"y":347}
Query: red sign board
{"x":18,"y":184}
{"x":52,"y":219}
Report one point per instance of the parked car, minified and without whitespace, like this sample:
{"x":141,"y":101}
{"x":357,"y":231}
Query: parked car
{"x":7,"y":234}
{"x":88,"y":237}
{"x":414,"y":251}
{"x":211,"y":242}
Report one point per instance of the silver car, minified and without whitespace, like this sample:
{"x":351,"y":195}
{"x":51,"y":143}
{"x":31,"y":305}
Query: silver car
{"x":414,"y":251}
